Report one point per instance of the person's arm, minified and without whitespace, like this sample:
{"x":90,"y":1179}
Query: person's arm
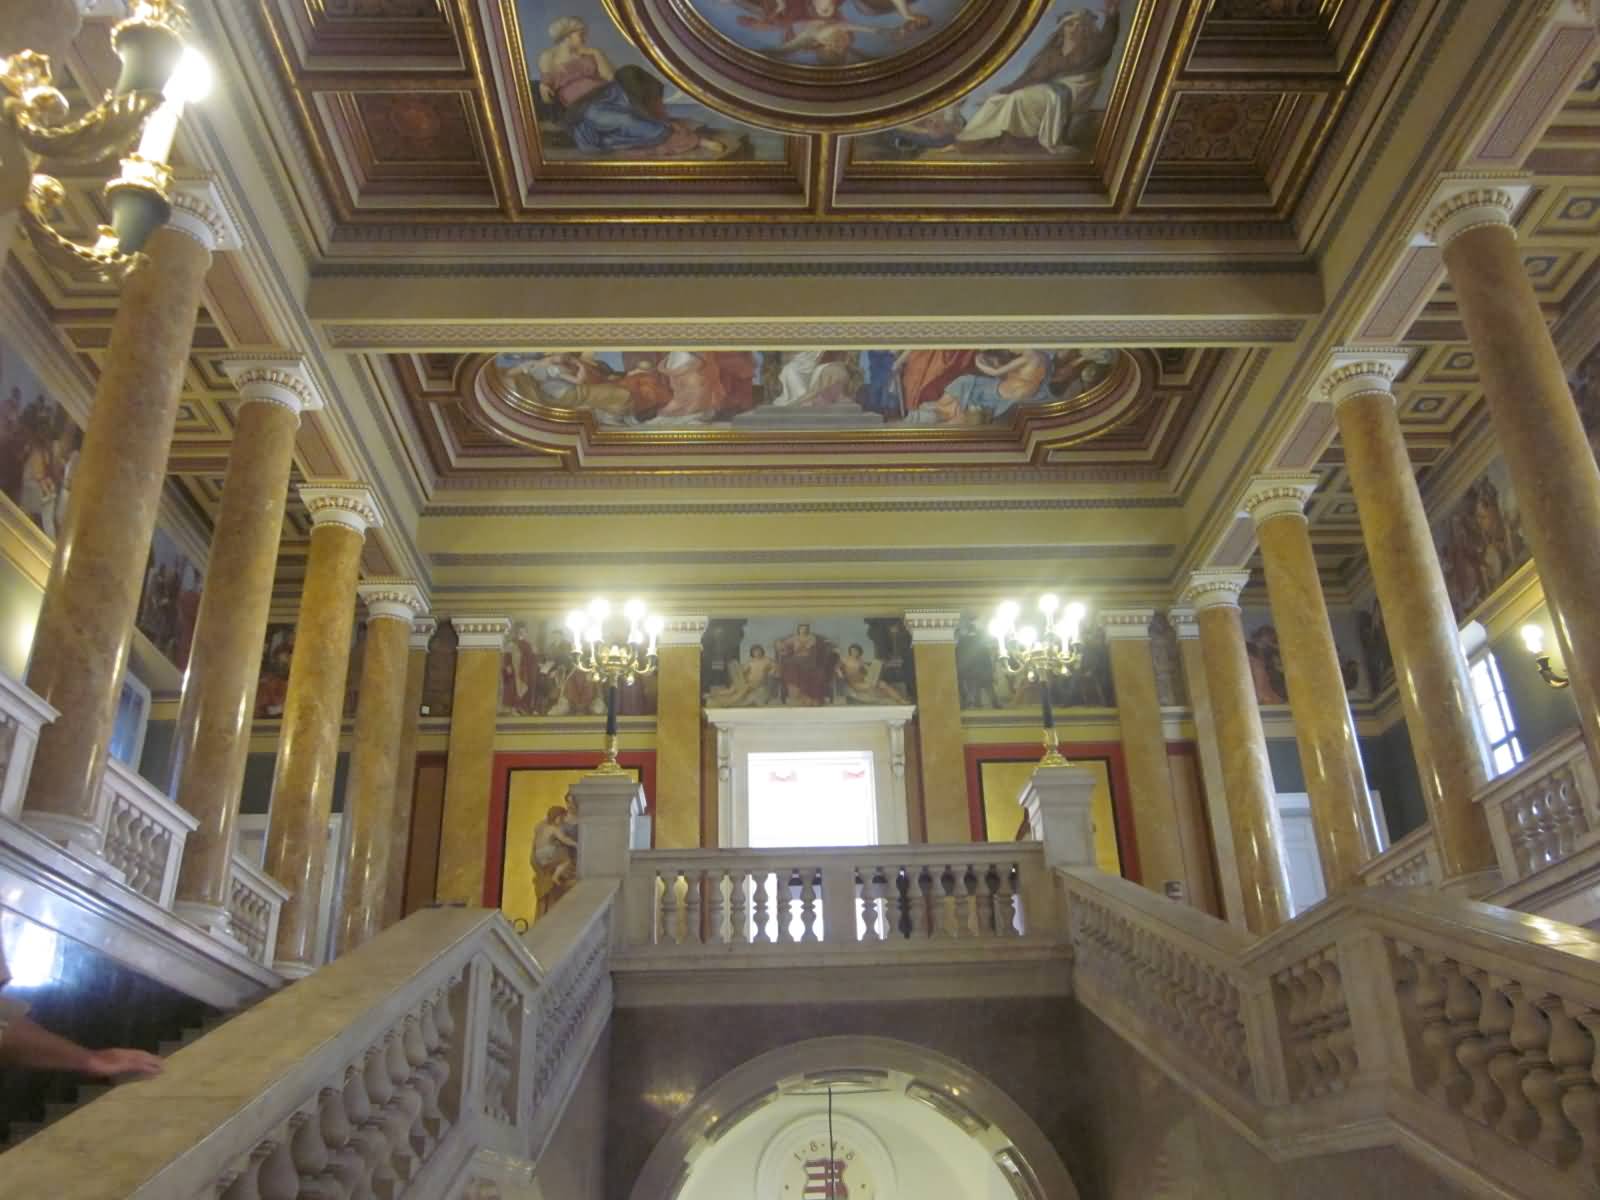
{"x":26,"y":1043}
{"x":602,"y":64}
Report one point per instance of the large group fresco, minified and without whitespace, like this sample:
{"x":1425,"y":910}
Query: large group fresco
{"x":539,"y":677}
{"x":1045,"y":103}
{"x":806,"y":662}
{"x":39,"y":443}
{"x":985,"y":683}
{"x":828,"y":33}
{"x":595,"y":98}
{"x":1266,"y":656}
{"x":910,"y":388}
{"x":1479,"y":539}
{"x":170,"y":600}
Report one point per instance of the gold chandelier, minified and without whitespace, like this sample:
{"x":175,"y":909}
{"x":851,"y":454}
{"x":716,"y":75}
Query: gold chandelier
{"x":1041,"y":653}
{"x":614,"y":663}
{"x":160,"y":74}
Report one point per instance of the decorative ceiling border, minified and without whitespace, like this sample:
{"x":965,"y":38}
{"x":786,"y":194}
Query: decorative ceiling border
{"x":592,"y":268}
{"x":851,"y":554}
{"x":744,"y":508}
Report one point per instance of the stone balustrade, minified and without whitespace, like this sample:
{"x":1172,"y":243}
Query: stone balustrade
{"x":745,"y":901}
{"x":1412,"y":861}
{"x":22,"y":716}
{"x":1467,"y":1038}
{"x":1545,"y":811}
{"x":144,"y":832}
{"x":254,"y":901}
{"x":433,"y":1061}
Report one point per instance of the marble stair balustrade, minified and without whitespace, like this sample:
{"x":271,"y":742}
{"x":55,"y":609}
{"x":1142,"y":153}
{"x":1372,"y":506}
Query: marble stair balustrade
{"x":1462,"y":1033}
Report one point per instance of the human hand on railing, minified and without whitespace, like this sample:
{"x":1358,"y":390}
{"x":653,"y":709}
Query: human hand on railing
{"x":106,"y":1064}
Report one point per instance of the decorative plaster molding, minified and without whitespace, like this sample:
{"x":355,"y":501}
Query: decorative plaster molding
{"x":1353,"y":373}
{"x":1213,"y":587}
{"x":1463,"y":206}
{"x":1184,"y":623}
{"x":282,"y":381}
{"x":422,"y":631}
{"x":349,"y":504}
{"x":1126,"y":624}
{"x":1277,"y":494}
{"x":682,"y":631}
{"x":481,"y":633}
{"x":395,"y":599}
{"x":930,"y":628}
{"x":201,"y":211}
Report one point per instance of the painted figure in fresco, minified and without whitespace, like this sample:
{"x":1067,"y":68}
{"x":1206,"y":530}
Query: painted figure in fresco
{"x":1062,"y":78}
{"x":554,"y":858}
{"x":1586,"y":393}
{"x":818,"y":28}
{"x":975,"y":665}
{"x":611,"y":110}
{"x":755,"y":683}
{"x":862,"y":680}
{"x":1375,"y":642}
{"x":273,"y":686}
{"x":1266,"y":665}
{"x":1480,"y":545}
{"x":1001,"y":380}
{"x":806,"y":664}
{"x":522,"y":671}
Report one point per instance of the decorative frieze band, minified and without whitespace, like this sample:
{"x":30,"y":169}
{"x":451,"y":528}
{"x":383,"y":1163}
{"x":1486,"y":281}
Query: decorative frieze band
{"x":932,"y":628}
{"x":1213,"y":587}
{"x":349,"y":504}
{"x":422,"y":631}
{"x":282,"y":381}
{"x":1275,"y":494}
{"x":481,"y":633}
{"x":682,"y":631}
{"x":393,"y":599}
{"x":1126,"y":624}
{"x":201,"y":211}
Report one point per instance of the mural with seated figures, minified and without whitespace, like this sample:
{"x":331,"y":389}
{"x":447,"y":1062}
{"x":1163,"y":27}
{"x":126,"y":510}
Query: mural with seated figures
{"x":802,"y":662}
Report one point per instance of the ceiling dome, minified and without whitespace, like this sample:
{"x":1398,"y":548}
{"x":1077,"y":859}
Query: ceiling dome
{"x":841,"y":66}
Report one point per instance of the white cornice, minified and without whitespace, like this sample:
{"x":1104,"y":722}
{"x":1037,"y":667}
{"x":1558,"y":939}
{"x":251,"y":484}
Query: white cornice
{"x":682,"y":631}
{"x":481,"y":633}
{"x":1274,"y":494}
{"x":930,"y":628}
{"x":349,"y":504}
{"x":282,"y":381}
{"x":1212,"y":588}
{"x":1126,"y":624}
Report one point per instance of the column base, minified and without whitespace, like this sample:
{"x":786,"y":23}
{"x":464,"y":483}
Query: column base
{"x":292,"y":970}
{"x":212,"y":920}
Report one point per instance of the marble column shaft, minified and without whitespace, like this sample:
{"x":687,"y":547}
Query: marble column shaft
{"x":405,"y":782}
{"x":1246,"y":772}
{"x":939,"y":739}
{"x":469,"y":768}
{"x":92,"y":596}
{"x":369,"y":803}
{"x":1144,"y":746}
{"x":219,"y":686}
{"x":1430,"y":671}
{"x":1341,"y":806}
{"x":678,"y":741}
{"x":1536,"y":425}
{"x":1230,"y":894}
{"x":313,"y":712}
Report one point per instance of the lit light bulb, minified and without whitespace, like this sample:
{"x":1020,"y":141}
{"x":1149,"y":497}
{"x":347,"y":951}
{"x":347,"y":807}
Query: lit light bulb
{"x":1048,"y":603}
{"x":1028,"y":636}
{"x":576,"y":621}
{"x":997,"y":629}
{"x":593,"y":635}
{"x":1533,"y":638}
{"x":191,"y":79}
{"x":634,"y":610}
{"x":599,"y":608}
{"x":1009,"y":611}
{"x":654,"y":625}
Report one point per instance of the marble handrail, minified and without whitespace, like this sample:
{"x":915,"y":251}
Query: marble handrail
{"x":22,"y":716}
{"x":1412,"y":861}
{"x":255,"y":901}
{"x":1545,"y":810}
{"x":434,"y":1060}
{"x":888,"y":896}
{"x":1462,"y":1032}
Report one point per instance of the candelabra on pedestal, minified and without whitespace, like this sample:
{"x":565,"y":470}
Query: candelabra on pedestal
{"x":1041,"y":654}
{"x":614,"y":663}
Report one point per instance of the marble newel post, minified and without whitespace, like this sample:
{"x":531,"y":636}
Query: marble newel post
{"x":369,"y":794}
{"x":313,"y":711}
{"x":1430,"y":670}
{"x":1246,"y":773}
{"x":944,"y":771}
{"x":1156,"y":826}
{"x":1536,"y":425}
{"x":469,"y":767}
{"x":678,"y":733}
{"x":1341,"y":807}
{"x":213,"y":737}
{"x":405,"y":770}
{"x":92,"y":597}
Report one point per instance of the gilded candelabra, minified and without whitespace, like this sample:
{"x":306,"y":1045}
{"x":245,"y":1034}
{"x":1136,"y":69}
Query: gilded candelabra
{"x":1041,"y":654}
{"x":612,"y":662}
{"x":1533,"y":639}
{"x":159,"y":76}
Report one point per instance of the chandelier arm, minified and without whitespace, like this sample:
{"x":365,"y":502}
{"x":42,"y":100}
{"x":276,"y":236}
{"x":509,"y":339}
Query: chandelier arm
{"x":103,"y":131}
{"x":103,"y":259}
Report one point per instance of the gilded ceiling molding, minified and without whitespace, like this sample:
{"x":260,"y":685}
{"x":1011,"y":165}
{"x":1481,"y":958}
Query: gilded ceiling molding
{"x":839,"y":554}
{"x":1076,"y":267}
{"x":743,"y":508}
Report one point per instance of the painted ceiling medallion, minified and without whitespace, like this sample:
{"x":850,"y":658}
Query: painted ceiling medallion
{"x":840,"y":66}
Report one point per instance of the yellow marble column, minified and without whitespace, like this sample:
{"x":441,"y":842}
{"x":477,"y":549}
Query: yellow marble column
{"x":405,"y":782}
{"x":469,"y":769}
{"x":1342,"y":815}
{"x":369,"y":794}
{"x":939,"y":739}
{"x":1430,"y":671}
{"x":1226,"y":862}
{"x":1246,"y":773}
{"x":92,"y":597}
{"x":213,"y":735}
{"x":678,"y":739}
{"x":313,"y":711}
{"x":1158,"y":826}
{"x":1536,"y":425}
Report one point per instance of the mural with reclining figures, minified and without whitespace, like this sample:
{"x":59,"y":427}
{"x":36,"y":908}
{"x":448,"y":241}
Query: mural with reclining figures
{"x":806,"y":662}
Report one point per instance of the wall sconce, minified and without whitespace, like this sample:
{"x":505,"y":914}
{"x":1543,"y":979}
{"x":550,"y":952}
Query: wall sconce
{"x":1533,"y":639}
{"x":160,"y":74}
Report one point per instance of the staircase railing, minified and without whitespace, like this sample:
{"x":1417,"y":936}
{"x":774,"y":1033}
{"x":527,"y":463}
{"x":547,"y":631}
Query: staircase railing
{"x":432,"y":1061}
{"x":1383,"y":1016}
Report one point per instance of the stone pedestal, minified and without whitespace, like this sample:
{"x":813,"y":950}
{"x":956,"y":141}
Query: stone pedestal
{"x":606,"y":806}
{"x":1430,"y":671}
{"x":469,"y":769}
{"x":1342,"y":814}
{"x":313,"y":711}
{"x":1246,"y":773}
{"x":369,"y":803}
{"x":92,"y":597}
{"x":678,"y":738}
{"x":939,"y":738}
{"x":213,"y":736}
{"x":1059,"y":802}
{"x":405,"y":782}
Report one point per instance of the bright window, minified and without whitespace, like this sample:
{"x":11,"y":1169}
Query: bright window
{"x":813,"y":798}
{"x":1489,"y":692}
